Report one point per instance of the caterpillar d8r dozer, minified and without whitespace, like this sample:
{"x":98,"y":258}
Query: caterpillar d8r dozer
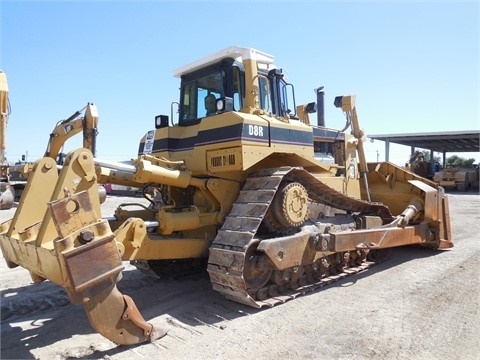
{"x":272,"y":205}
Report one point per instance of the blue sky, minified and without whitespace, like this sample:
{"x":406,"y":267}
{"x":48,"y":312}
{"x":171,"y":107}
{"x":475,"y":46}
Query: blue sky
{"x":414,"y":66}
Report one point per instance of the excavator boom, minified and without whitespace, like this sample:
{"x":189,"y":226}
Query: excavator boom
{"x":70,"y":127}
{"x":62,"y":132}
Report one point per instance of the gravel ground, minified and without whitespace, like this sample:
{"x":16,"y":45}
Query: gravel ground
{"x":420,"y":304}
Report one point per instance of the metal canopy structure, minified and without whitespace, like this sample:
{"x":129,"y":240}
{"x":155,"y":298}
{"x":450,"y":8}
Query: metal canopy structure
{"x":446,"y":141}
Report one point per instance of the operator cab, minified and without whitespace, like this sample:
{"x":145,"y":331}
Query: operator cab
{"x":211,"y":90}
{"x":217,"y":84}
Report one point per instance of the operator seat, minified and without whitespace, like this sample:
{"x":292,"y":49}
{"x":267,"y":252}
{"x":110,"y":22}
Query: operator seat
{"x":210,"y":104}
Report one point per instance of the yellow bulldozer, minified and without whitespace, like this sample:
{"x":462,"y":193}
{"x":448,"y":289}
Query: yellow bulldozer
{"x":241,"y":181}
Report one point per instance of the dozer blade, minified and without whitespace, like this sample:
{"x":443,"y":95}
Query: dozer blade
{"x":7,"y":196}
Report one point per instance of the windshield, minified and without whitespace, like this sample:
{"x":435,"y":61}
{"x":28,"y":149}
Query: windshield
{"x":200,"y":95}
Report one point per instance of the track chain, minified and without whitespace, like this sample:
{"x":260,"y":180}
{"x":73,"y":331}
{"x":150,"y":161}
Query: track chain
{"x":228,"y":253}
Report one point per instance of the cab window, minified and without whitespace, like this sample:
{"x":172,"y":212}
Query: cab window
{"x":200,"y":95}
{"x":237,"y":89}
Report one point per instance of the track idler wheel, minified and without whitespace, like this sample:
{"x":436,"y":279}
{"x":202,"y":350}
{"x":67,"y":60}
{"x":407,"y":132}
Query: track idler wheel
{"x":116,"y":317}
{"x":289,"y":208}
{"x":254,"y":276}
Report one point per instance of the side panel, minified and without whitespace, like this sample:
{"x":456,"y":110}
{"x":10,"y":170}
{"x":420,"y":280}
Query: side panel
{"x":257,"y":137}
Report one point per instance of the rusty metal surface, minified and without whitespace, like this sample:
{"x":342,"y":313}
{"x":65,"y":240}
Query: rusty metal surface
{"x":132,"y":313}
{"x":93,"y":267}
{"x":93,"y":263}
{"x":72,"y":213}
{"x":116,"y":318}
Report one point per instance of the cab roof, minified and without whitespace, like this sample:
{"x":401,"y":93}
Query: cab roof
{"x":238,"y":53}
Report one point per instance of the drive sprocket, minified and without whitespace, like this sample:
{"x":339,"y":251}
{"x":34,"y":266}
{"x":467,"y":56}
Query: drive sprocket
{"x":289,"y":208}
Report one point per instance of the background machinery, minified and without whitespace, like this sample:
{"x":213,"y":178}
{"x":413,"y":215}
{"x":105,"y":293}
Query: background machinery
{"x":458,"y":178}
{"x":63,"y":131}
{"x":235,"y":184}
{"x":6,"y":191}
{"x":418,"y":165}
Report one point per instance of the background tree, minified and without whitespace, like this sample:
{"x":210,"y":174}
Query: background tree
{"x":457,"y":161}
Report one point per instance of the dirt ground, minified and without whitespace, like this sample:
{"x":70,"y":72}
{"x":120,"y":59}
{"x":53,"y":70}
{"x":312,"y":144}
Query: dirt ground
{"x":420,"y":304}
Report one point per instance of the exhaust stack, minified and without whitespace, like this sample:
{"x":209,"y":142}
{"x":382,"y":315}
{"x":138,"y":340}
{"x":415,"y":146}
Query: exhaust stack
{"x":320,"y":106}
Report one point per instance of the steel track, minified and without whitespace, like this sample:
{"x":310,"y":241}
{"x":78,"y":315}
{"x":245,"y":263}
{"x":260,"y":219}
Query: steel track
{"x":230,"y":250}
